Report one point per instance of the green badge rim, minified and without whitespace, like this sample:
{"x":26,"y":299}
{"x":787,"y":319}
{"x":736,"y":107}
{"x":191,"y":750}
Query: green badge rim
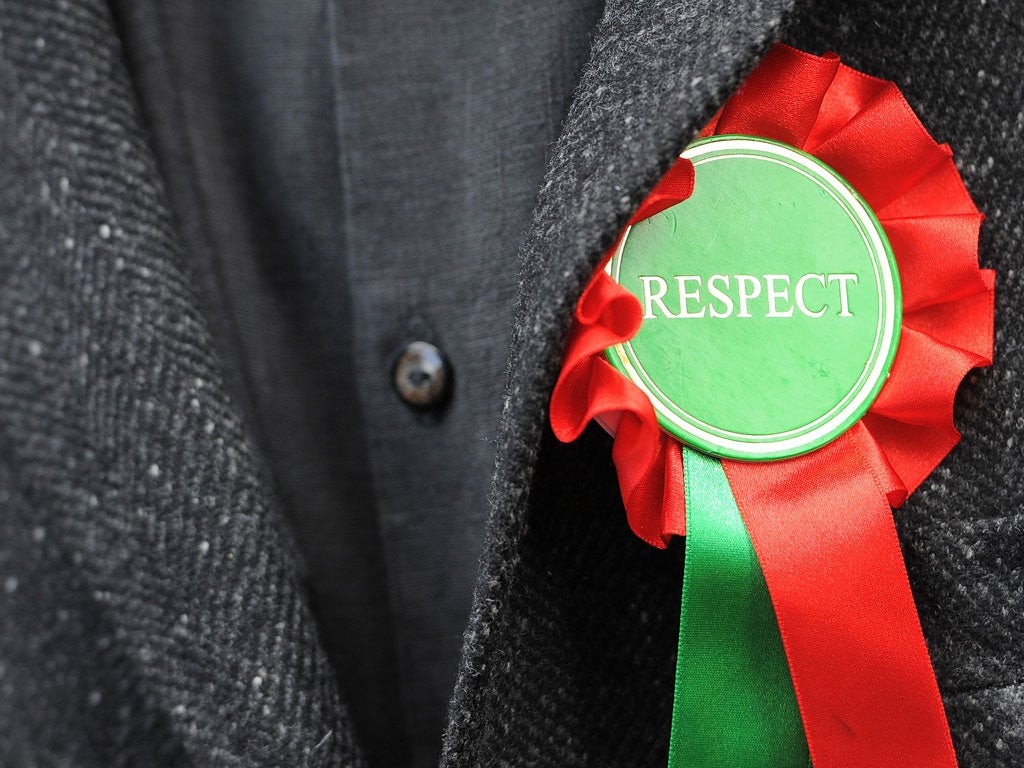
{"x":826,"y":427}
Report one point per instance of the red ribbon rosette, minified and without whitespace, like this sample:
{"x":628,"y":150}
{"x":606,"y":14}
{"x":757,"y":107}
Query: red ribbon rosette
{"x":821,"y":523}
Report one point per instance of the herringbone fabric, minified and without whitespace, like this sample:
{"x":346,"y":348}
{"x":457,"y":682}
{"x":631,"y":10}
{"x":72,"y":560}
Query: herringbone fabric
{"x":150,"y":611}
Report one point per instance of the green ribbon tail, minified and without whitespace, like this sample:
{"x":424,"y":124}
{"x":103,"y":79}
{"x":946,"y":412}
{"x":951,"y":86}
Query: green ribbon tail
{"x":734,"y":704}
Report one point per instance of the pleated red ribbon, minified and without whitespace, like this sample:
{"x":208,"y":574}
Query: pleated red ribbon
{"x":821,"y":524}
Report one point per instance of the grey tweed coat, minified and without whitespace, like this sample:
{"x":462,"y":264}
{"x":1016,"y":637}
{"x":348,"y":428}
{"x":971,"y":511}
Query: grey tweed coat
{"x":150,"y":609}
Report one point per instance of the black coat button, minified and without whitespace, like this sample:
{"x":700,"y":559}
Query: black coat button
{"x":422,"y":375}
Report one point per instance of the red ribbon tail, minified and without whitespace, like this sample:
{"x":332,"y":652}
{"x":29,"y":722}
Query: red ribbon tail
{"x":824,"y":535}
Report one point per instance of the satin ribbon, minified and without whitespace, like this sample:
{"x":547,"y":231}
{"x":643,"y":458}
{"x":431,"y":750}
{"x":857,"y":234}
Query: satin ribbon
{"x":821,"y":524}
{"x":648,"y":461}
{"x":734,"y":702}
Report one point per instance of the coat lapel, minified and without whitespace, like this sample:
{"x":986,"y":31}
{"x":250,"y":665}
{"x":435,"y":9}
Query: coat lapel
{"x":170,"y":580}
{"x":570,"y":651}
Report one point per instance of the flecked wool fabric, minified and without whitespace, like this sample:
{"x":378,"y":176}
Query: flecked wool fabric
{"x":151,"y":611}
{"x":554,"y":535}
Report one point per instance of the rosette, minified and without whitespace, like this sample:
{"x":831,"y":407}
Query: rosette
{"x":827,"y":595}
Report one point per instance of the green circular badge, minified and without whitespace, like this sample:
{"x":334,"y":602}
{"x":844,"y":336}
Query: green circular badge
{"x":771,"y":303}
